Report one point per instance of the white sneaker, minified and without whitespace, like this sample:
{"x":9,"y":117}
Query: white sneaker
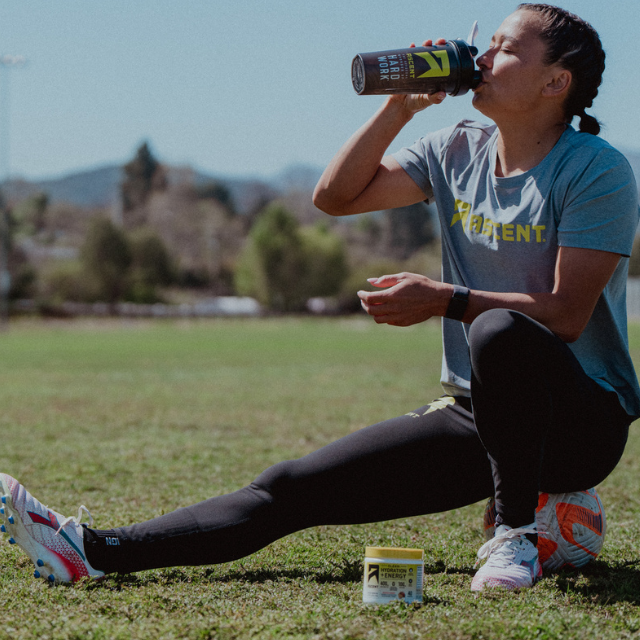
{"x":511,"y":560}
{"x":54,"y":543}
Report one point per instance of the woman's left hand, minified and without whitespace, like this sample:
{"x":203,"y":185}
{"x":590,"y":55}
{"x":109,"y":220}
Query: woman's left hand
{"x":408,"y":298}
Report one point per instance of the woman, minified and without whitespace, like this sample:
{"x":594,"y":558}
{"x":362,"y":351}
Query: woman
{"x":537,"y":224}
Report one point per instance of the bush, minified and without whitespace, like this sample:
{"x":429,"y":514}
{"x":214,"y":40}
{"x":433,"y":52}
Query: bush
{"x":327,"y":267}
{"x":23,"y":282}
{"x":283,"y":265}
{"x":23,"y":275}
{"x":113,"y":266}
{"x":151,"y":267}
{"x":106,"y":258}
{"x":30,"y":214}
{"x":272,"y":265}
{"x":66,"y":281}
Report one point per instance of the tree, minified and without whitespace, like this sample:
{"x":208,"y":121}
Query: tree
{"x":64,"y":280}
{"x":30,"y":214}
{"x":106,"y":258}
{"x":215,"y":190}
{"x":151,"y":266}
{"x":273,"y":261}
{"x":138,"y":182}
{"x":283,"y":266}
{"x":326,"y":261}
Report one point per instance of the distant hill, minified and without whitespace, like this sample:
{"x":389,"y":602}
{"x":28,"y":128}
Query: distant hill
{"x":100,"y":187}
{"x":91,"y":188}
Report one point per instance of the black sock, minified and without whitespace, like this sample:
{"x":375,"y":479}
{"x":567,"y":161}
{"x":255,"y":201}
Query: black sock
{"x":99,"y":546}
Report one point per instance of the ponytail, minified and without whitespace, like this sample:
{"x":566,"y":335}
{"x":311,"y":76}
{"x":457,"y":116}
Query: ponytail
{"x":588,"y":124}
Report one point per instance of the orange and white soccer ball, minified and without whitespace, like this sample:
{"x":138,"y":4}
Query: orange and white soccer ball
{"x":571,"y":528}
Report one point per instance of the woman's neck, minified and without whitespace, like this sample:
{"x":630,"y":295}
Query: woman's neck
{"x":522,"y":148}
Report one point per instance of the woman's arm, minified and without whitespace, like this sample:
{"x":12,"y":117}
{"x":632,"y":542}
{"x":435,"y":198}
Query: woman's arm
{"x":580,"y":277}
{"x":360,"y":177}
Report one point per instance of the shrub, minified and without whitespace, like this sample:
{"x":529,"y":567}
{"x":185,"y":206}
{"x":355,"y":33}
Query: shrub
{"x":272,"y":265}
{"x":151,"y":267}
{"x":66,"y":281}
{"x":326,"y":261}
{"x":283,"y":265}
{"x":106,"y":258}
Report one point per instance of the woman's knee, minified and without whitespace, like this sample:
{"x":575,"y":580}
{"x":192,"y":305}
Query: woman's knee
{"x":502,"y":340}
{"x":277,"y":479}
{"x":495,"y":329}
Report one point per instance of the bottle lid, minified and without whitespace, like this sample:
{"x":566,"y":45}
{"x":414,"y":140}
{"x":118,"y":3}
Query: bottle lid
{"x":394,"y":552}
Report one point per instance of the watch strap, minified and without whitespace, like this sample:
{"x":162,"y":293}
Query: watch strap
{"x":458,"y":303}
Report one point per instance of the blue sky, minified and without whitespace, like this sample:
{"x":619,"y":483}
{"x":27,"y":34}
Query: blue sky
{"x":241,"y":87}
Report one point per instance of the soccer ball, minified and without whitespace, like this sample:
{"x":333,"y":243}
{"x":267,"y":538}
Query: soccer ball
{"x":571,"y":528}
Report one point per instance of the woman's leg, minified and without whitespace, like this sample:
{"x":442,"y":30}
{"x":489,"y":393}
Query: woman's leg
{"x":545,"y":424}
{"x":427,"y":461}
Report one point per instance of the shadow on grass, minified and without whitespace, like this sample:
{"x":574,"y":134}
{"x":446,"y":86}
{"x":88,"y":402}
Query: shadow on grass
{"x":599,"y":582}
{"x":440,"y":567}
{"x":603,"y":583}
{"x":346,"y":572}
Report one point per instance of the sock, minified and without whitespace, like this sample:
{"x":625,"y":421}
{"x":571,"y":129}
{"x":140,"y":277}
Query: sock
{"x":531,"y":537}
{"x":99,"y":547}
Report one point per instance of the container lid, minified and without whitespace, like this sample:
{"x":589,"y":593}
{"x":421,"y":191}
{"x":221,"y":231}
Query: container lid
{"x":394,"y":552}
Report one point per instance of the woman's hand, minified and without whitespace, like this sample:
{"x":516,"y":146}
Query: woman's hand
{"x":408,"y":299}
{"x":416,"y":102}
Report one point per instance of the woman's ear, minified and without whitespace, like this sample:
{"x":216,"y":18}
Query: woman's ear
{"x":559,"y":84}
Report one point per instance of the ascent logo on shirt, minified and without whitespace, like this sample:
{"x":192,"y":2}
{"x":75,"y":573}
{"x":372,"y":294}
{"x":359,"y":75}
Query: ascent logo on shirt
{"x":474,"y":224}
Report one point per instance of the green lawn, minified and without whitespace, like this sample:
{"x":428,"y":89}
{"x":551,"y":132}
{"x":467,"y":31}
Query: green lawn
{"x":134,"y":419}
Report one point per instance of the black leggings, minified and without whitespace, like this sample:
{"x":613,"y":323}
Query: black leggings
{"x":538,"y":423}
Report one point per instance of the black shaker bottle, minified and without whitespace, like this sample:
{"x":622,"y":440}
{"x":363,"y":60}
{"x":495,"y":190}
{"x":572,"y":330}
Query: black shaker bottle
{"x":449,"y":67}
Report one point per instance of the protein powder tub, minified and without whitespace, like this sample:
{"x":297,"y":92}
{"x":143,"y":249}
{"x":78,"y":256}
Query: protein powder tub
{"x":392,"y":574}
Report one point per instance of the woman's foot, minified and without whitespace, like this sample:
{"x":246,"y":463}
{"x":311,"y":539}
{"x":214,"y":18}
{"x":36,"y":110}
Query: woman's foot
{"x":511,"y":560}
{"x":54,"y":543}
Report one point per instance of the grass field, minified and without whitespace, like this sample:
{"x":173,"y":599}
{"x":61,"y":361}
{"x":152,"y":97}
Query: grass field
{"x":134,"y":419}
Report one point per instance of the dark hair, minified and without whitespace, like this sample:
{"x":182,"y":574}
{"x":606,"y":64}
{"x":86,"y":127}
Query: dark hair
{"x":575,"y":45}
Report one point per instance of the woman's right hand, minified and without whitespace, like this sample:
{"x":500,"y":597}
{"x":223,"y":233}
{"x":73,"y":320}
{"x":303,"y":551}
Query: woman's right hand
{"x":415,"y":102}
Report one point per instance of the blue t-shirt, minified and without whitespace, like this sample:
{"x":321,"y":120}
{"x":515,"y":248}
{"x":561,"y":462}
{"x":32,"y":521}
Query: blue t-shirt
{"x":503,"y":234}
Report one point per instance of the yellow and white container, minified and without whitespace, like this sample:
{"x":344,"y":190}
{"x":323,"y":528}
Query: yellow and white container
{"x":392,"y":574}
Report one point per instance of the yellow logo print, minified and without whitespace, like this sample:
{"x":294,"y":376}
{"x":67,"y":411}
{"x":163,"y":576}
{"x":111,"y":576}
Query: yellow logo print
{"x":462,"y":211}
{"x":436,"y":69}
{"x":509,"y":232}
{"x":440,"y":403}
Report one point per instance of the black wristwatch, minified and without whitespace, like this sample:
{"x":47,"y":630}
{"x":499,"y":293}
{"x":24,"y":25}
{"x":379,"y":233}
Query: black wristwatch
{"x":458,"y":303}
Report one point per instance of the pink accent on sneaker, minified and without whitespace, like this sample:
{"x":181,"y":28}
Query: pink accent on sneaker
{"x":54,"y":543}
{"x":511,"y":561}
